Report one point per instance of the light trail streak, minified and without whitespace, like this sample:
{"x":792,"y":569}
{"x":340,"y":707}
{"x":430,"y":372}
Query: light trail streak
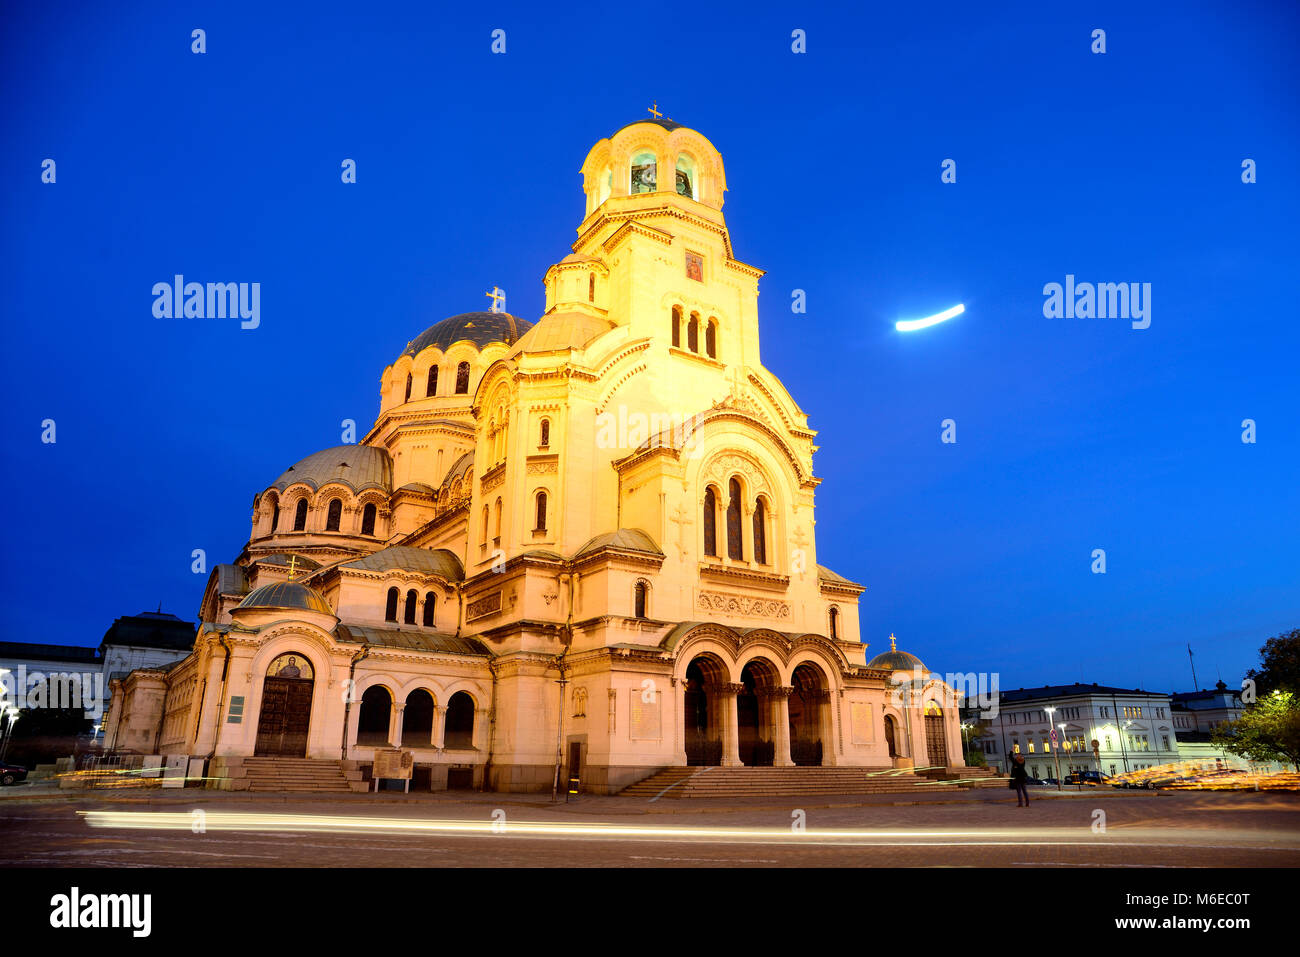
{"x":944,"y":837}
{"x":910,"y":325}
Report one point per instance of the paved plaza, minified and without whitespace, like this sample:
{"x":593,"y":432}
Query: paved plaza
{"x":43,"y":827}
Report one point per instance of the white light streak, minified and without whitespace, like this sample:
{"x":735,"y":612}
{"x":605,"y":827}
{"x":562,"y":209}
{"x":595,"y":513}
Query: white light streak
{"x":908,"y":325}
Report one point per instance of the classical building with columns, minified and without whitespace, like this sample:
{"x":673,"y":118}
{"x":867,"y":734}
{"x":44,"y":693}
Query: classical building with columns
{"x":582,"y":546}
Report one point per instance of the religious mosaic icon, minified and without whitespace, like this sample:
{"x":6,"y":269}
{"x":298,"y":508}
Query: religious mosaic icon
{"x":695,"y":266}
{"x":290,"y":666}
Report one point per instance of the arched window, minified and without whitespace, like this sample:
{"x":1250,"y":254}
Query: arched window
{"x":693,"y":333}
{"x":430,"y":603}
{"x":643,"y":174}
{"x":432,"y":387}
{"x":411,"y":599}
{"x":374,"y":717}
{"x":368,"y":519}
{"x":497,"y":524}
{"x":275,"y":516}
{"x":677,"y":327}
{"x":485,"y":524}
{"x":408,"y":387}
{"x":640,"y":596}
{"x":417,"y":719}
{"x":760,"y":533}
{"x":459,"y":734}
{"x":591,"y":287}
{"x":334,"y":516}
{"x":710,"y":522}
{"x":544,"y":440}
{"x":711,"y":339}
{"x":462,"y":379}
{"x":735,"y":549}
{"x":686,"y":176}
{"x":300,"y":515}
{"x":835,"y":622}
{"x":541,"y":512}
{"x":605,"y":185}
{"x":390,"y":610}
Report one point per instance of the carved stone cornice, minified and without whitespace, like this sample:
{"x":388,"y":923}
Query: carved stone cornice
{"x":744,"y":576}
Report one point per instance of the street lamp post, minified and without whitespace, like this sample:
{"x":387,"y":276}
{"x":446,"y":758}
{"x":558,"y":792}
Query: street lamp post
{"x":1056,"y":751}
{"x":12,"y":714}
{"x":1065,"y":744}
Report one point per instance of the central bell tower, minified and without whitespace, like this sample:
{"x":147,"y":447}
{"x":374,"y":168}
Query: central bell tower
{"x":653,"y":252}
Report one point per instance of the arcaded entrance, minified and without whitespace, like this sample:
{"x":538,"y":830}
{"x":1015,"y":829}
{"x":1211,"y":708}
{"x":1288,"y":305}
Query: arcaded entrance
{"x":285,"y":715}
{"x":809,"y":702}
{"x":755,"y":703}
{"x":705,"y":677}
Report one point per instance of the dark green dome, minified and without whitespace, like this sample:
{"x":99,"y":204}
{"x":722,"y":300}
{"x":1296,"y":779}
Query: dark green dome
{"x":480,"y":328}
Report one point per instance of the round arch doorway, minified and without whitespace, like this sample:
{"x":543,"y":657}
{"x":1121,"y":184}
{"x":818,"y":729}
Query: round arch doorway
{"x":285,"y":716}
{"x":754,"y":713}
{"x":702,"y":709}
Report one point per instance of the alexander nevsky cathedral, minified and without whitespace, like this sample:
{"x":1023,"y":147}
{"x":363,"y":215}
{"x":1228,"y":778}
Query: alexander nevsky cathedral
{"x":577,"y":548}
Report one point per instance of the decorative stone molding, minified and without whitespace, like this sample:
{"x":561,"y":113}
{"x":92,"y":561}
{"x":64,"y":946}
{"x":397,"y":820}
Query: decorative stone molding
{"x":743,"y":606}
{"x":489,"y":604}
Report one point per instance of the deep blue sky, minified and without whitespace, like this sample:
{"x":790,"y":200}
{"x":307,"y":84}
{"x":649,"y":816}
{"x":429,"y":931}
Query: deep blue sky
{"x":1072,"y":434}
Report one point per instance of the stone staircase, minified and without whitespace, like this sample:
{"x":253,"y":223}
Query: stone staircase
{"x":717,"y":782}
{"x":300,"y":774}
{"x":972,"y":777}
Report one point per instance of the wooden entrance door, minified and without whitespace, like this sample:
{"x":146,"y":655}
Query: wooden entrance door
{"x":285,"y":716}
{"x":936,"y":744}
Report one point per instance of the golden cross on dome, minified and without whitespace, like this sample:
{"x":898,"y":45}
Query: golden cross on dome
{"x":498,"y":298}
{"x":293,"y":566}
{"x":654,"y":110}
{"x":893,"y":642}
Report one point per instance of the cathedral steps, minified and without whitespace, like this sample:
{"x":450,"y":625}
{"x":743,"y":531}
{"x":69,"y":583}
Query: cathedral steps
{"x":298,"y":774}
{"x":719,"y":782}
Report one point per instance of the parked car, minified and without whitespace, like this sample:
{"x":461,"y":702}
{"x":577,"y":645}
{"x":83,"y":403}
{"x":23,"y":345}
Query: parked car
{"x":12,"y":773}
{"x":1050,"y":782}
{"x":1089,"y":778}
{"x":1039,"y":781}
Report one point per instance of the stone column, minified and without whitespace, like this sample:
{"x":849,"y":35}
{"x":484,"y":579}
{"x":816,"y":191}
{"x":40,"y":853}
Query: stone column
{"x":396,"y":721}
{"x":439,"y":727}
{"x":780,"y":710}
{"x":730,"y":724}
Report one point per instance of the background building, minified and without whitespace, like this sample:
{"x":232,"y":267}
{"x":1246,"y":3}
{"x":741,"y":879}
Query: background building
{"x":1134,"y":729}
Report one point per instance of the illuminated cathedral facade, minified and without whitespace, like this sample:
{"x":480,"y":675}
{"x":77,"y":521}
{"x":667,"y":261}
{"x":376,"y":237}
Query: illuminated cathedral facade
{"x":583,"y":546}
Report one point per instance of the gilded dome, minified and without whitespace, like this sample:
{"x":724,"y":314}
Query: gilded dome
{"x":287,"y":595}
{"x":480,"y":328}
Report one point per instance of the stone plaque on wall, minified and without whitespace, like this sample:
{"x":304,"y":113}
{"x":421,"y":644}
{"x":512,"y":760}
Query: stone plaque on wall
{"x":645,"y":718}
{"x":860,"y":719}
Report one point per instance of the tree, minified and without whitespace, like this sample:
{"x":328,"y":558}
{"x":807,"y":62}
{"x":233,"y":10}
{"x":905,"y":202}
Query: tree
{"x":1279,"y":669}
{"x":1268,"y":730}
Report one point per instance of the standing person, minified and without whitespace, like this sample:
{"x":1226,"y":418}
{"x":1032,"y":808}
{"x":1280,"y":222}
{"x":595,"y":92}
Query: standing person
{"x":1019,"y":779}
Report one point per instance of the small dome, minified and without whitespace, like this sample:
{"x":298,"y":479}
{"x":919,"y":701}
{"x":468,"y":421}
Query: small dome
{"x":480,"y":328}
{"x":895,"y":660}
{"x":290,"y":595}
{"x":667,"y":124}
{"x":561,"y":330}
{"x":358,"y":467}
{"x":627,"y":539}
